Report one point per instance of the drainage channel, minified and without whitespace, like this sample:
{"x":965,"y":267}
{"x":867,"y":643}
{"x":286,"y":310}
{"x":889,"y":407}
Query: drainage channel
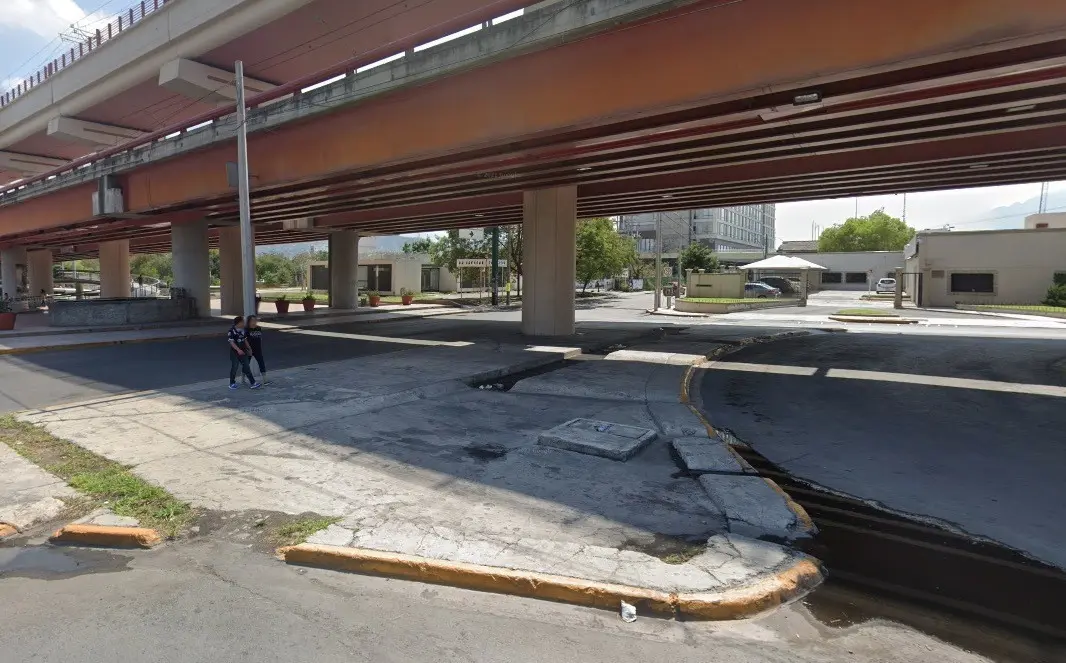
{"x":884,"y":554}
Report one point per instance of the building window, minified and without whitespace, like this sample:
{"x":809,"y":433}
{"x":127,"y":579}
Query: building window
{"x":831,"y":277}
{"x":979,"y":282}
{"x":855,"y":277}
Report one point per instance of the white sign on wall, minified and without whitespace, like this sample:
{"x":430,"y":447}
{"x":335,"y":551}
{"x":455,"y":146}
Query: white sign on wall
{"x":478,"y":262}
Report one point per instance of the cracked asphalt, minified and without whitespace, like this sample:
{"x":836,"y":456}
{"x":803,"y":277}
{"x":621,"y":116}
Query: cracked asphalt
{"x":913,"y":435}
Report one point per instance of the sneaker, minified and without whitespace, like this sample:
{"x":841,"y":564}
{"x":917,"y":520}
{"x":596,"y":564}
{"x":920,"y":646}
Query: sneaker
{"x":234,"y":385}
{"x":256,"y":385}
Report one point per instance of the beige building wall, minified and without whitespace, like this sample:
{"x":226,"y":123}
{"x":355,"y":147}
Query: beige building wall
{"x":716,"y":285}
{"x":1022,"y":265}
{"x":1057,"y":220}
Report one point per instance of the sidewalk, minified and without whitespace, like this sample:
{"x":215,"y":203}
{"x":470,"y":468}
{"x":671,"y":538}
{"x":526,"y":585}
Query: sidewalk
{"x":416,"y":463}
{"x":87,"y":338}
{"x":28,"y":494}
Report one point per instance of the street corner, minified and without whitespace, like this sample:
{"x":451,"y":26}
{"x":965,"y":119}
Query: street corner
{"x":104,"y":529}
{"x":753,"y":505}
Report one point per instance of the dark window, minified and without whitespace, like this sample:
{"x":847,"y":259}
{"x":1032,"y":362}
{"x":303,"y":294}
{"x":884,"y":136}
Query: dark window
{"x":319,"y":277}
{"x":379,"y":278}
{"x":973,"y":282}
{"x":831,"y":277}
{"x":855,"y":277}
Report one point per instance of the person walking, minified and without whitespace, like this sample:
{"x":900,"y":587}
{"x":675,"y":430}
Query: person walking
{"x":255,"y":342}
{"x":239,"y":350}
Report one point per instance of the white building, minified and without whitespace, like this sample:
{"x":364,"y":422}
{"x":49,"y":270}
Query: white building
{"x":1035,"y":221}
{"x":984,"y":266}
{"x":851,"y":270}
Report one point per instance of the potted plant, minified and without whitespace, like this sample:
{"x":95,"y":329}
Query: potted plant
{"x":374,"y":298}
{"x":282,"y":303}
{"x":7,"y":316}
{"x":406,"y":296}
{"x":309,"y":301}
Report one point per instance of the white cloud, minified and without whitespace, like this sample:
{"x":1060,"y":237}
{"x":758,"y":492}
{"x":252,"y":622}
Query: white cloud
{"x":46,"y":18}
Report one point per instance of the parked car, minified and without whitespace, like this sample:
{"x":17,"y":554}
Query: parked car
{"x":781,"y":283}
{"x":760,"y":290}
{"x":886,"y":285}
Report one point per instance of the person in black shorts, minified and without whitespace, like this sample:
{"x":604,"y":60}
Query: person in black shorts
{"x":239,"y":350}
{"x":255,"y":342}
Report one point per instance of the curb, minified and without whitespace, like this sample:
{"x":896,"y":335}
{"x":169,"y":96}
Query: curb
{"x":803,"y":519}
{"x":732,"y":604}
{"x":107,"y":536}
{"x":874,"y":320}
{"x":7,"y":529}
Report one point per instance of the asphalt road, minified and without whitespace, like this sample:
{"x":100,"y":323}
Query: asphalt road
{"x":223,"y":598}
{"x":48,"y":378}
{"x":985,"y":462}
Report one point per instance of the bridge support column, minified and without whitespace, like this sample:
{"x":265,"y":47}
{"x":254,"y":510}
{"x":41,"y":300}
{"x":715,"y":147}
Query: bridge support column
{"x":230,"y":259}
{"x":115,"y":268}
{"x":344,"y":269}
{"x":11,"y":273}
{"x":40,"y":277}
{"x":192,"y":263}
{"x":549,"y":252}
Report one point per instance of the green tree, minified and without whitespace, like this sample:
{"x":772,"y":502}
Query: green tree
{"x":511,"y":242}
{"x":451,"y":247}
{"x":274,"y":269}
{"x":601,"y":251}
{"x":420,"y":245}
{"x":876,"y":232}
{"x":157,"y":265}
{"x":215,"y":263}
{"x":698,"y":256}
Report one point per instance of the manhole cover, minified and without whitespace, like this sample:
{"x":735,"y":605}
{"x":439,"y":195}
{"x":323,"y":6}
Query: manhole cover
{"x":598,"y":438}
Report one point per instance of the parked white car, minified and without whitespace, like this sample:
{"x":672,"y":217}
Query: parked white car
{"x":886,"y":285}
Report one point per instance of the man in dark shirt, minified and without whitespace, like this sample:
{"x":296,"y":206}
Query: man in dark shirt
{"x":239,"y":352}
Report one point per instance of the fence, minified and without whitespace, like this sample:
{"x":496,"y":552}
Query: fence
{"x":86,"y":43}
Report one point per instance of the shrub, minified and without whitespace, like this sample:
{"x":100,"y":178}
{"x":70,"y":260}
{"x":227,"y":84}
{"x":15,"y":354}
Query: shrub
{"x":1056,"y":296}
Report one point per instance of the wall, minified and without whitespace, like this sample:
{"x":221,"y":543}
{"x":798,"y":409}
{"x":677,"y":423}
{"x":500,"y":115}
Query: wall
{"x":406,"y":271}
{"x":715,"y":285}
{"x":1057,"y":220}
{"x":881,"y":263}
{"x":1023,"y":264}
{"x":109,"y":312}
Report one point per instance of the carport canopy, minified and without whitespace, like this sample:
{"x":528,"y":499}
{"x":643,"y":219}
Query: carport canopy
{"x":783,"y":264}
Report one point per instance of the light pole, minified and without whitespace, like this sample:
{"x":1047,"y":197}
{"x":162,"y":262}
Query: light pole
{"x":247,"y":238}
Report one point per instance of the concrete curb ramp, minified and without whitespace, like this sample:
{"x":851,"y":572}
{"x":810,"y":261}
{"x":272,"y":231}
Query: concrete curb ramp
{"x":7,"y":530}
{"x":881,"y":320}
{"x":786,"y":585}
{"x":107,"y":536}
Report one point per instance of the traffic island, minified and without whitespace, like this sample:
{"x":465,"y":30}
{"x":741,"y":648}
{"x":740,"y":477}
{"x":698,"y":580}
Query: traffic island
{"x":718,"y":305}
{"x":871,"y":315}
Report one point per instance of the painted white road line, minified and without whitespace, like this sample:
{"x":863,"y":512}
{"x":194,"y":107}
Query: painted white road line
{"x":378,"y":339}
{"x":759,"y":368}
{"x":955,"y":383}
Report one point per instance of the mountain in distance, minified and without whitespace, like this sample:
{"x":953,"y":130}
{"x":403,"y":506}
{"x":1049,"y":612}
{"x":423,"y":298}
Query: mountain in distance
{"x":1011,"y":216}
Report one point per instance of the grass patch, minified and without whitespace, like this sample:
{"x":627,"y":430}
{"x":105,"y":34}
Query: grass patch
{"x":867,"y":312}
{"x":104,"y":482}
{"x":683,"y":555}
{"x":297,"y":531}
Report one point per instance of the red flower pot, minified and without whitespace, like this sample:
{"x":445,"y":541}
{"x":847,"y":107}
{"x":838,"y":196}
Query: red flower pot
{"x":283,"y":307}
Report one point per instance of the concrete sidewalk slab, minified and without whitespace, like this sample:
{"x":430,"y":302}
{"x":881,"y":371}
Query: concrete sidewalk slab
{"x":28,"y":494}
{"x":391,"y":445}
{"x":598,"y":438}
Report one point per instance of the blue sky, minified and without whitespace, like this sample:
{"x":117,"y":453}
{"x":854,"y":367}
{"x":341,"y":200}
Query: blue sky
{"x":28,"y":39}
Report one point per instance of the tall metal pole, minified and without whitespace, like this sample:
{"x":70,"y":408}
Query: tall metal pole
{"x":495,"y":265}
{"x":658,"y":259}
{"x":247,"y":237}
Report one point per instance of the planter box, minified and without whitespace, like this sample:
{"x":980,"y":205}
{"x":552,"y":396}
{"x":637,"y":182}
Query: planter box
{"x":7,"y":321}
{"x":715,"y":307}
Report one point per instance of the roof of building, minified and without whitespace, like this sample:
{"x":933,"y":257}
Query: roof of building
{"x":799,"y":246}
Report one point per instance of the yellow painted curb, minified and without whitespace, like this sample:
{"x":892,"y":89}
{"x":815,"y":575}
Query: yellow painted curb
{"x":108,"y":536}
{"x":732,"y":604}
{"x":803,"y":519}
{"x":7,"y":530}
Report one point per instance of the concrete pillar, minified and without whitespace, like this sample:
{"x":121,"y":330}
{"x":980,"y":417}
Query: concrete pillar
{"x":344,"y":269}
{"x":549,"y":218}
{"x":40,"y":276}
{"x":115,"y":269}
{"x":192,"y":263}
{"x":229,"y":258}
{"x":10,"y":273}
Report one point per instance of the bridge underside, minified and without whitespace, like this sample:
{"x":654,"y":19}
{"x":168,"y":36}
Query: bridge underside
{"x":976,"y":97}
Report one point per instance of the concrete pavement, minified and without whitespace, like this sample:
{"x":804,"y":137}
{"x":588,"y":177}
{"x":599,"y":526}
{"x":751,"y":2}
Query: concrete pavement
{"x":28,"y":494}
{"x":415,"y":461}
{"x":960,"y":431}
{"x":222,"y":597}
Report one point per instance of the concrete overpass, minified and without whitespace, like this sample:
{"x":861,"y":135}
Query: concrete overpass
{"x":671,"y":106}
